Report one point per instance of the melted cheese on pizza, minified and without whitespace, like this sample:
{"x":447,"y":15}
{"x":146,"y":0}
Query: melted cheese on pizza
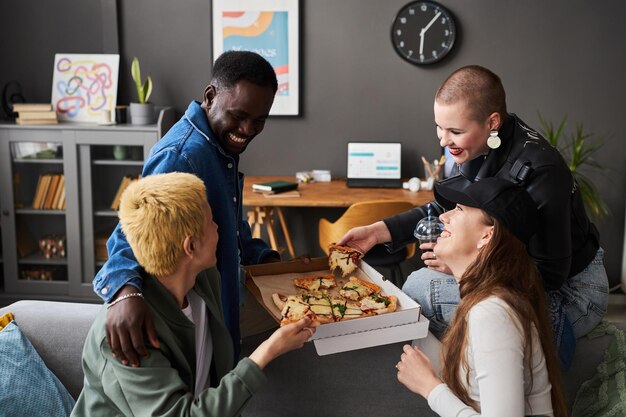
{"x":355,"y":289}
{"x":295,"y":308}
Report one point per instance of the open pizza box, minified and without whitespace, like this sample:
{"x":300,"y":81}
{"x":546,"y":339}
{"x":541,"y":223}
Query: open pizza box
{"x":406,"y":323}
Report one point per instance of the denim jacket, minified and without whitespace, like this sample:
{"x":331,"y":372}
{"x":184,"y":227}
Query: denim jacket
{"x":191,"y":146}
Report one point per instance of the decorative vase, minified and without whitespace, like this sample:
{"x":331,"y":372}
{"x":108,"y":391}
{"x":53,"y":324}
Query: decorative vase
{"x":119,"y":152}
{"x":141,"y":114}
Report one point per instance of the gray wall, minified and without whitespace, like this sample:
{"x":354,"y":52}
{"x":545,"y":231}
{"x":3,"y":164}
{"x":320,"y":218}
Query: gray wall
{"x":557,"y":58}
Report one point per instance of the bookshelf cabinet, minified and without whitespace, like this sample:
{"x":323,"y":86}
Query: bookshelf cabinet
{"x":92,"y":160}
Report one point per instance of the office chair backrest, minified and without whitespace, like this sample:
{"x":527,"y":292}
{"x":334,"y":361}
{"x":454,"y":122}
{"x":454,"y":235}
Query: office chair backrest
{"x":361,"y":214}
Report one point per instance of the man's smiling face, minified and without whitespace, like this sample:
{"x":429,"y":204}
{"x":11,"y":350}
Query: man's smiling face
{"x":237,"y":114}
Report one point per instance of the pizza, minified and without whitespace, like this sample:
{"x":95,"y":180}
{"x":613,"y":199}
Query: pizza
{"x":293,"y":308}
{"x":321,"y":299}
{"x":356,"y":288}
{"x":344,"y":258}
{"x":316,"y":282}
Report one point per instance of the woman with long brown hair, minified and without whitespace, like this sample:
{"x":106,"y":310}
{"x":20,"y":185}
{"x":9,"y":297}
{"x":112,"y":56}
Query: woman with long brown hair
{"x":498,"y":356}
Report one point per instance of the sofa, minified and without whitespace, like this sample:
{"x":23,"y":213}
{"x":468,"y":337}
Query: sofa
{"x":361,"y":382}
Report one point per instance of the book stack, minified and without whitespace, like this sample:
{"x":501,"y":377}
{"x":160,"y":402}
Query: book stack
{"x":101,"y":248}
{"x":126,"y":181}
{"x":277,"y":189}
{"x":35,"y":114}
{"x":50,"y":192}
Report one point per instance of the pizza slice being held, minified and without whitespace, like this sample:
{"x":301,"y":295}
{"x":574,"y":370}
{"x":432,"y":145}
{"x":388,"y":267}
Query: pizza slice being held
{"x":321,"y":307}
{"x":356,"y":288}
{"x":343,"y":257}
{"x":316,"y":282}
{"x":295,"y":309}
{"x":379,"y":304}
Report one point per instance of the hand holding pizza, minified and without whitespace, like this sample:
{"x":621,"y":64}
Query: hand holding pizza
{"x":287,"y":338}
{"x":416,"y":372}
{"x":364,"y":238}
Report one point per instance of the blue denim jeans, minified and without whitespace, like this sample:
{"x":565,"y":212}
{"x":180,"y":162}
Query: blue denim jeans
{"x":584,"y":296}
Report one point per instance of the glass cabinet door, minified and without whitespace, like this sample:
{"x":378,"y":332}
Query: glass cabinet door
{"x":39,"y":202}
{"x":106,"y":170}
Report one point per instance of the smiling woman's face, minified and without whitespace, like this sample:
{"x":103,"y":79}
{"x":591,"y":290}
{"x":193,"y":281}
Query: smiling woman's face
{"x":465,"y":232}
{"x":464,"y":137}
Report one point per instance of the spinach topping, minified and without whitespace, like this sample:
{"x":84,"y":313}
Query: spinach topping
{"x":380,"y":300}
{"x":341,"y":308}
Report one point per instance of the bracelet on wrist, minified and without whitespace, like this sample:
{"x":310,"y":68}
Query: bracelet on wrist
{"x":125,"y":297}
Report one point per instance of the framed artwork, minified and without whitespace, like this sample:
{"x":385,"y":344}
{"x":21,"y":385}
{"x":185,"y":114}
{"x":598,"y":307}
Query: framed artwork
{"x":83,"y":85}
{"x":270,"y":28}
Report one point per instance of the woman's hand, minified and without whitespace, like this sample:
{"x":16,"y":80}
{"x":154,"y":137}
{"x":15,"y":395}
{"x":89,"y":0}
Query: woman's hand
{"x":363,"y":238}
{"x":416,"y":372}
{"x":430,"y":259}
{"x":285,"y":339}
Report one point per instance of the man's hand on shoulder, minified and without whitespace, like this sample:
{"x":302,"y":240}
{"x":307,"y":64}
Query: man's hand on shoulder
{"x":127,"y":315}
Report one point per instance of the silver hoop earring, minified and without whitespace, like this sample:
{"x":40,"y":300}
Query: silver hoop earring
{"x":493,"y":141}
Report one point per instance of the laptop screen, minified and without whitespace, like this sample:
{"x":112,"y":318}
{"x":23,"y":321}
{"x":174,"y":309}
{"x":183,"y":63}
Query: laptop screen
{"x":375,"y":161}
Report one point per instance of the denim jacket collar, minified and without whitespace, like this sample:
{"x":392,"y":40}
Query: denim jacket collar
{"x":196,"y":116}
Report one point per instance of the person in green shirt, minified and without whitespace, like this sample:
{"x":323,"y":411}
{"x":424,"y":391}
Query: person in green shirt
{"x":170,"y":228}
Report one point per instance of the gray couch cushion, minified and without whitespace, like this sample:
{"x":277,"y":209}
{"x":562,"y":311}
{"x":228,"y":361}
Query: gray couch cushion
{"x":57,"y":331}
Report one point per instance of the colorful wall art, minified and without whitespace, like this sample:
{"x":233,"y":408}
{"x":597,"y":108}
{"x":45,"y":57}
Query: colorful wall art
{"x":85,"y":85}
{"x":269,"y":28}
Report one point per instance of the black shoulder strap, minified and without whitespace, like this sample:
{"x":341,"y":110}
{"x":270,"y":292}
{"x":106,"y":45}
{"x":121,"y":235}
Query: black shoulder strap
{"x":520,"y":170}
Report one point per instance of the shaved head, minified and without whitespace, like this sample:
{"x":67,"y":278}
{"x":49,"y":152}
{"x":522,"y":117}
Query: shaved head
{"x":479,"y":88}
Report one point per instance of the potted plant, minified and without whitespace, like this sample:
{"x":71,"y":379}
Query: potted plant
{"x":578,"y":150}
{"x":141,"y":113}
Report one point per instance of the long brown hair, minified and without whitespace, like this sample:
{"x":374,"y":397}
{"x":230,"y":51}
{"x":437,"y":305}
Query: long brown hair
{"x":504,"y":269}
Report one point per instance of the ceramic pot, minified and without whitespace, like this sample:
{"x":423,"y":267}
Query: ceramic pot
{"x":141,"y":114}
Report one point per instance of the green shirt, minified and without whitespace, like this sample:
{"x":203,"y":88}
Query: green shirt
{"x":164,"y":383}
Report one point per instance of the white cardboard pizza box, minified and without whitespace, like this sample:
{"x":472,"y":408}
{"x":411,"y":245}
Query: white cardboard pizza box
{"x":405,"y":324}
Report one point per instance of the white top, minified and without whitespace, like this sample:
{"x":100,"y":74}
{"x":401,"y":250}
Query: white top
{"x":499,"y":379}
{"x":196,"y":312}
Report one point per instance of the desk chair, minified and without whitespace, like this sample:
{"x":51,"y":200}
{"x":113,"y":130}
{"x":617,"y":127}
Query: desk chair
{"x":362,"y":214}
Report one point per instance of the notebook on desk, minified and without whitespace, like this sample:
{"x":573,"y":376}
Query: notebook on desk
{"x":374,"y":164}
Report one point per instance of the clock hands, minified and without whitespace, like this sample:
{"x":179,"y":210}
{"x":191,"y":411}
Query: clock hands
{"x":424,"y":29}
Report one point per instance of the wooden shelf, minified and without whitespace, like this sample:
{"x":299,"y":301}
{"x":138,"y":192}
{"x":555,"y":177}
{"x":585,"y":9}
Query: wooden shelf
{"x":38,"y":161}
{"x":38,"y":259}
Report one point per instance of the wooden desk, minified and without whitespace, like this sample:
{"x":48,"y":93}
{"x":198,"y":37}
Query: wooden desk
{"x":318,"y":194}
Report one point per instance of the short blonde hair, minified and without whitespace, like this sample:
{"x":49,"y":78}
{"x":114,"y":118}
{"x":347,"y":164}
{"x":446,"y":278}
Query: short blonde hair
{"x":157,"y":213}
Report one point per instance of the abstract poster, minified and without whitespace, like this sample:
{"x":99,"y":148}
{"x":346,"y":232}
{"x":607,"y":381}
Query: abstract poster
{"x":84,"y":85}
{"x":269,"y":28}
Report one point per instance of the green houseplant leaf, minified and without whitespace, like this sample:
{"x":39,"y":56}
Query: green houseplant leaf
{"x":578,"y":150}
{"x":143,"y":89}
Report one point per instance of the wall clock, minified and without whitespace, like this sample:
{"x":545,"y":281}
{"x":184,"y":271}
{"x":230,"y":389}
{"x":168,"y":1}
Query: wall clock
{"x":423,"y":32}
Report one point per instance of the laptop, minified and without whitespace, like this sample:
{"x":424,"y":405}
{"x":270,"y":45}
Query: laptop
{"x":374,"y":164}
